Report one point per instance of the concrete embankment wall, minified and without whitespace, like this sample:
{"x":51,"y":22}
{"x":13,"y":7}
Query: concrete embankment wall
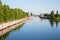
{"x":6,"y":30}
{"x":11,"y":25}
{"x":8,"y":24}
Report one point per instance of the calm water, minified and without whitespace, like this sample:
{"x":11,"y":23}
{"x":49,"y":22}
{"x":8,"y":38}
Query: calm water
{"x":35,"y":29}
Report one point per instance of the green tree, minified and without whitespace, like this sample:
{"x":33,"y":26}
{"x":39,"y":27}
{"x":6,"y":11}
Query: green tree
{"x":56,"y":14}
{"x":6,"y":12}
{"x":9,"y":14}
{"x":1,"y":12}
{"x":52,"y":14}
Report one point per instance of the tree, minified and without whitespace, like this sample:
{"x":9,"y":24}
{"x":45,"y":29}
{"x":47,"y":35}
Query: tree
{"x":52,"y":14}
{"x":6,"y":12}
{"x":31,"y":14}
{"x":1,"y":12}
{"x":56,"y":13}
{"x":9,"y":14}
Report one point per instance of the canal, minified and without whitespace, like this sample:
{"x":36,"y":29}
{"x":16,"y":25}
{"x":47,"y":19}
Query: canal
{"x":35,"y":29}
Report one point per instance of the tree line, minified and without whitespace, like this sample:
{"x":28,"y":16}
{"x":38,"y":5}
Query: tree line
{"x":9,"y":14}
{"x":52,"y":14}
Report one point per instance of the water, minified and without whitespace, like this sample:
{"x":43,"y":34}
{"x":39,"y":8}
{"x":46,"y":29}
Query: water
{"x":35,"y":29}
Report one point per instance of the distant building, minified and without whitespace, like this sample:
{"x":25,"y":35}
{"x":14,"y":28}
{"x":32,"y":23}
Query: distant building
{"x":41,"y":15}
{"x":30,"y":14}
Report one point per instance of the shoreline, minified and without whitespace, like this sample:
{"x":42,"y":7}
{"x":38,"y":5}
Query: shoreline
{"x":9,"y":24}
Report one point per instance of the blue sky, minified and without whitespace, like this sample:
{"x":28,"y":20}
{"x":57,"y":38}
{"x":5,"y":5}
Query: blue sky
{"x":35,"y":6}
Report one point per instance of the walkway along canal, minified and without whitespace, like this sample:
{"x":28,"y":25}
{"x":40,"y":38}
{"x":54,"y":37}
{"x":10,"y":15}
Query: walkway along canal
{"x":34,"y":29}
{"x":11,"y":25}
{"x":8,"y":24}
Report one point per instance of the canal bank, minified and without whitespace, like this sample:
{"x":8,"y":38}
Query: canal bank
{"x":9,"y":24}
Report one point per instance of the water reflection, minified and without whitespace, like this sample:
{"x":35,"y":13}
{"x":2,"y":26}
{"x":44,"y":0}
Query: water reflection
{"x":4,"y":33}
{"x":52,"y":22}
{"x":42,"y":21}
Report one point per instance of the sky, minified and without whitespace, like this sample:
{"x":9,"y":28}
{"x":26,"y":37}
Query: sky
{"x":34,"y":6}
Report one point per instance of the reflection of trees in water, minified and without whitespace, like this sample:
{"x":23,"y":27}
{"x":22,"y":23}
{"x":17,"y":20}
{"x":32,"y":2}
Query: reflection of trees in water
{"x":18,"y":28}
{"x":4,"y":36}
{"x":56,"y":23}
{"x":7,"y":34}
{"x":52,"y":21}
